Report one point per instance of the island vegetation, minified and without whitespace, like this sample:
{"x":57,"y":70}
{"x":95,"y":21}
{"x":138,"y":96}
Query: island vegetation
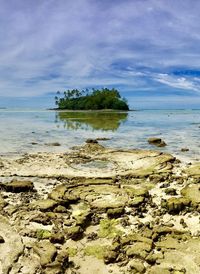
{"x":97,"y":99}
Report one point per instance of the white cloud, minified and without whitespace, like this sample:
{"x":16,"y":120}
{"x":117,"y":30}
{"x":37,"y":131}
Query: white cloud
{"x":78,"y":41}
{"x":178,"y":82}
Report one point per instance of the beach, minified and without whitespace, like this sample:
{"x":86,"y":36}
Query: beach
{"x":99,"y":209}
{"x":99,"y":137}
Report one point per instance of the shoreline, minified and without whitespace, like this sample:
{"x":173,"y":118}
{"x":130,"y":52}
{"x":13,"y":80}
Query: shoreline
{"x":91,"y":110}
{"x":115,"y":210}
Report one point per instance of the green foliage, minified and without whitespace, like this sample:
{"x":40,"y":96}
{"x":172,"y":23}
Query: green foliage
{"x":97,"y":99}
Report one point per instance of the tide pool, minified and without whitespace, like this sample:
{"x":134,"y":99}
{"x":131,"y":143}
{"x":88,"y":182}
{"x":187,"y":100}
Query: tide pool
{"x":29,"y":130}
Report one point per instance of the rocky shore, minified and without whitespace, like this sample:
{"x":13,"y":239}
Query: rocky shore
{"x":99,"y":210}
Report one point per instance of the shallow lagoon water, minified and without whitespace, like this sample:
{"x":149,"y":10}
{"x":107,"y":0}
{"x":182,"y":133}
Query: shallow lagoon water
{"x":23,"y":131}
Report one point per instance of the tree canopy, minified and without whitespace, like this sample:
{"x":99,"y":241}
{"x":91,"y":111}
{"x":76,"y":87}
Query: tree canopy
{"x":97,"y":99}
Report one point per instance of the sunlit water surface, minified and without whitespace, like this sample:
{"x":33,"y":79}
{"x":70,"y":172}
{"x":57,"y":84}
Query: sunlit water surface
{"x":24,"y":131}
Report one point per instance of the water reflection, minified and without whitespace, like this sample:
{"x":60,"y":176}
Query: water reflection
{"x":91,"y":120}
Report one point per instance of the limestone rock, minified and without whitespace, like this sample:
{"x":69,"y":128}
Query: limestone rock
{"x":3,"y":203}
{"x":193,"y":170}
{"x":156,"y":142}
{"x":136,"y":201}
{"x":137,"y":265}
{"x":184,"y":149}
{"x":46,"y":251}
{"x":11,"y":248}
{"x":139,"y":249}
{"x":135,"y":237}
{"x":18,"y":186}
{"x":2,"y":240}
{"x":54,"y":144}
{"x":158,"y":270}
{"x":57,"y":238}
{"x":175,"y":205}
{"x":192,"y":193}
{"x":91,"y":141}
{"x":115,"y":212}
{"x":45,"y":205}
{"x":74,"y":232}
{"x":110,"y":256}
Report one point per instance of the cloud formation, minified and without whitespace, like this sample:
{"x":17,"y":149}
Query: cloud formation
{"x":50,"y":45}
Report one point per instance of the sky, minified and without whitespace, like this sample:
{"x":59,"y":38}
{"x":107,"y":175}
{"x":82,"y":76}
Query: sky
{"x":148,"y":49}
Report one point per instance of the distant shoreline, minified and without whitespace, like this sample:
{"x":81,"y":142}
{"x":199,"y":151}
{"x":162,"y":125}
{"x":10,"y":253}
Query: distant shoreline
{"x":90,"y":110}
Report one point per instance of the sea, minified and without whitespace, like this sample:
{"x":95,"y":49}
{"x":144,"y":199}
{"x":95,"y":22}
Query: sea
{"x":37,"y":130}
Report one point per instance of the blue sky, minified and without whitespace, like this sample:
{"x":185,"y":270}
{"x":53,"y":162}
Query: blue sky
{"x":148,"y":49}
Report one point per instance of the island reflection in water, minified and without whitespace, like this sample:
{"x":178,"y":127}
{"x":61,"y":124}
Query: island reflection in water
{"x":91,"y":120}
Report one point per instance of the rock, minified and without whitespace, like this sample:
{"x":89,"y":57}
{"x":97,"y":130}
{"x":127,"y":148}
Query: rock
{"x":192,"y":193}
{"x":53,"y":268}
{"x":2,"y":240}
{"x":135,"y":237}
{"x":55,"y":144}
{"x":108,"y":228}
{"x":168,"y":242}
{"x":43,"y":234}
{"x":3,"y":203}
{"x":156,"y":142}
{"x":41,"y":218}
{"x":58,"y":194}
{"x":184,"y":149}
{"x":110,"y":256}
{"x":164,"y":229}
{"x":60,"y":209}
{"x":75,"y":163}
{"x":136,"y":191}
{"x":44,"y":205}
{"x":91,"y":141}
{"x":74,"y":233}
{"x":183,"y":223}
{"x":193,"y":170}
{"x":97,"y":251}
{"x":92,"y":236}
{"x":46,"y":251}
{"x":63,"y":258}
{"x":57,"y":238}
{"x":170,"y":191}
{"x":100,"y":196}
{"x":102,"y":139}
{"x":158,"y":270}
{"x":81,"y":213}
{"x":60,"y":265}
{"x":136,"y":201}
{"x":175,"y":205}
{"x":165,"y":185}
{"x":18,"y":186}
{"x":139,"y":249}
{"x":153,"y":257}
{"x":115,"y":212}
{"x":137,"y":265}
{"x":11,"y":248}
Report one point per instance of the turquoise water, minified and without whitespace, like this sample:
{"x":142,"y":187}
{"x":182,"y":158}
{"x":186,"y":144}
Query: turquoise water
{"x":24,"y":131}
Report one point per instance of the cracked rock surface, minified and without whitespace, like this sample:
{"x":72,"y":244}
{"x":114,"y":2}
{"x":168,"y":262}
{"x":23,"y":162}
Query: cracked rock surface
{"x":99,"y":210}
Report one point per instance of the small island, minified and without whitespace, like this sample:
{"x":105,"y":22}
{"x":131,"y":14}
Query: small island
{"x":97,"y":99}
